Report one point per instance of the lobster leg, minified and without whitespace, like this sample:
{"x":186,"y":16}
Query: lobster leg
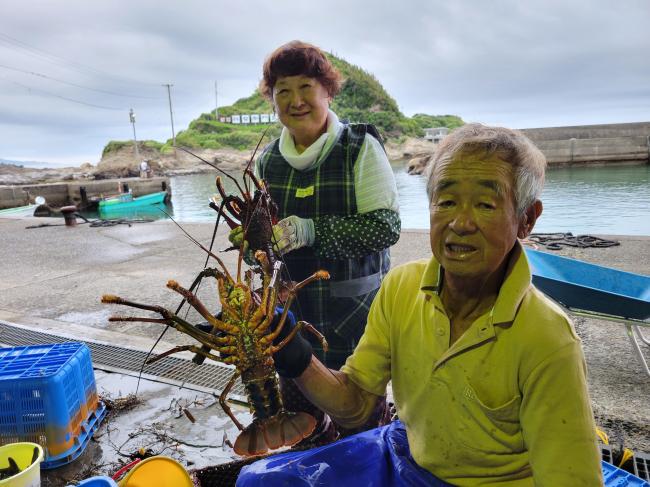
{"x":222,"y":399}
{"x":170,"y":319}
{"x":296,"y":329}
{"x":200,"y":307}
{"x":292,"y":294}
{"x":184,"y":348}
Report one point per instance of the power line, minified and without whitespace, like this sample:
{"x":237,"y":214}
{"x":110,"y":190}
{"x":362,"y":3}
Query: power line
{"x":62,"y":61}
{"x":79,"y":86}
{"x":65,"y":98}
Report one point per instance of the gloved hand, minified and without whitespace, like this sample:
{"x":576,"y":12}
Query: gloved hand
{"x":292,"y":359}
{"x":236,"y":237}
{"x":292,"y":233}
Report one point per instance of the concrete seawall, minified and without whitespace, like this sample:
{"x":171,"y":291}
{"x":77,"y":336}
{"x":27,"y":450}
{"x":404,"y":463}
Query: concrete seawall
{"x":69,"y":193}
{"x":624,"y":143}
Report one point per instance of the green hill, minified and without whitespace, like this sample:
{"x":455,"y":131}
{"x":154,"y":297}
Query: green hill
{"x":362,"y":99}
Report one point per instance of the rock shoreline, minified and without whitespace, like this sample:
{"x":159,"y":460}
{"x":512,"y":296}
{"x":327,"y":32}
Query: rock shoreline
{"x":123,"y":163}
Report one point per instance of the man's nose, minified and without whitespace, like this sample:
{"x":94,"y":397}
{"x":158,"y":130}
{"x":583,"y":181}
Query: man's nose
{"x":463,"y":221}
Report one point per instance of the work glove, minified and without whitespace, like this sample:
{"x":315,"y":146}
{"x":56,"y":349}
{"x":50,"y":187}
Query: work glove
{"x":292,"y":359}
{"x":236,"y":237}
{"x":292,"y":233}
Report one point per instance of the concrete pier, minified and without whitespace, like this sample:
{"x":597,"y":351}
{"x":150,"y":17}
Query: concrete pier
{"x":70,"y":193}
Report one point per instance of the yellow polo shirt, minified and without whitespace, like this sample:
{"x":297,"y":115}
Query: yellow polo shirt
{"x":506,"y":404}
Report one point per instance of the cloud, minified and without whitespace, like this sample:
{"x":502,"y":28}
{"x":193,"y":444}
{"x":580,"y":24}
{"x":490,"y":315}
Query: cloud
{"x":519,"y":64}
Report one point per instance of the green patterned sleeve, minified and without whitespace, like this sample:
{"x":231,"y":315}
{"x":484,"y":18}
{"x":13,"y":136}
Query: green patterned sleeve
{"x":346,"y":237}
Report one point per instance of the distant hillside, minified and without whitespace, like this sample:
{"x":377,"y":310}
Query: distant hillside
{"x":362,"y":99}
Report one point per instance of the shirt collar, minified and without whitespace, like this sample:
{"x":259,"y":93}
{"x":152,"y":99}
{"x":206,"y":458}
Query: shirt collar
{"x":516,"y":283}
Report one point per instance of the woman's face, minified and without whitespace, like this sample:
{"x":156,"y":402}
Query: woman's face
{"x":301,"y":104}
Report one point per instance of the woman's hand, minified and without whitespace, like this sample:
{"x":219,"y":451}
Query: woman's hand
{"x":292,"y":233}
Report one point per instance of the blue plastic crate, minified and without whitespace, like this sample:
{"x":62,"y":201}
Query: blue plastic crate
{"x":48,"y":396}
{"x":616,"y":477}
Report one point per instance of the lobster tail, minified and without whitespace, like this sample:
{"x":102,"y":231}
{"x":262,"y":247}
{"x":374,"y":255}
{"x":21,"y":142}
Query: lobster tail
{"x":284,"y":429}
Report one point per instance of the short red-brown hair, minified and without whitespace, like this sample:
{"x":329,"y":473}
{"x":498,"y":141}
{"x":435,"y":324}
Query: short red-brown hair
{"x":297,"y":58}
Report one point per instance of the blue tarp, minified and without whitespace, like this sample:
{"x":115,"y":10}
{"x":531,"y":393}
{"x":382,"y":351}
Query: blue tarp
{"x":375,"y":458}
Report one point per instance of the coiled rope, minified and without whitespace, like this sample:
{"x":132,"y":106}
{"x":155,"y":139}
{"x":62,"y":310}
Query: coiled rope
{"x":555,"y":241}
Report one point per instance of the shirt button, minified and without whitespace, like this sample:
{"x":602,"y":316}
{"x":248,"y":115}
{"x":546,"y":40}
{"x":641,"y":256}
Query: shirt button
{"x":440,"y":331}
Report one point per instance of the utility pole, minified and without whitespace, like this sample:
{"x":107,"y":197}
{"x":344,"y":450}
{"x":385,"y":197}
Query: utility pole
{"x":171,"y":113}
{"x":216,"y":102}
{"x":135,"y":140}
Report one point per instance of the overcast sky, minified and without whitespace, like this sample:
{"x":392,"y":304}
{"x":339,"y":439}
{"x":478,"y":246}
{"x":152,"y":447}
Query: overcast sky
{"x":515,"y":63}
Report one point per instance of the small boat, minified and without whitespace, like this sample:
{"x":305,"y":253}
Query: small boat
{"x":126,"y":201}
{"x":18,"y":212}
{"x":597,"y":292}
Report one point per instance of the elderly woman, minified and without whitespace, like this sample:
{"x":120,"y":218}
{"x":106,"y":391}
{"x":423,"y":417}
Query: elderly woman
{"x":337,"y":200}
{"x":488,"y":374}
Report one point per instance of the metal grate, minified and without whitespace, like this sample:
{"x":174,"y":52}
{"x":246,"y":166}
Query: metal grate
{"x":641,"y":461}
{"x":642,"y":466}
{"x":170,"y":370}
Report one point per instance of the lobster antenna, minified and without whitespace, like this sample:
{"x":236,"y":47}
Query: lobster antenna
{"x":180,"y":306}
{"x":215,"y":167}
{"x":198,"y":244}
{"x":248,"y":166}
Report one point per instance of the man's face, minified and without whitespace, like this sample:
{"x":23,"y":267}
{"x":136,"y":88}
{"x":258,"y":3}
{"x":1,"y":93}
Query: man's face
{"x":472,"y":214}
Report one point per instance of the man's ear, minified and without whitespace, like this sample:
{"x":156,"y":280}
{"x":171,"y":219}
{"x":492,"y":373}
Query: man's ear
{"x":528,"y":219}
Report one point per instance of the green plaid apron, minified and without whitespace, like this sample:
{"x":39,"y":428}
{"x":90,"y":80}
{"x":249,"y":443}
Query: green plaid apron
{"x":338,"y":308}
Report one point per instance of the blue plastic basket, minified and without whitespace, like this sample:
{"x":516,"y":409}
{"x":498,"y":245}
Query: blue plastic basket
{"x":48,"y":396}
{"x":615,"y":477}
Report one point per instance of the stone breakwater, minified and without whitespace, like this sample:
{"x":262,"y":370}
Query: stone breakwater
{"x":611,"y":144}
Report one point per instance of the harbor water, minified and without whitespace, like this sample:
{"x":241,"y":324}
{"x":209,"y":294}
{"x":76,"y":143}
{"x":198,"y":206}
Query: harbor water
{"x":603,"y":200}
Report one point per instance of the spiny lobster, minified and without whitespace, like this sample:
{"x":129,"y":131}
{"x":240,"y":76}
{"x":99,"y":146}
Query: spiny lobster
{"x":242,"y":333}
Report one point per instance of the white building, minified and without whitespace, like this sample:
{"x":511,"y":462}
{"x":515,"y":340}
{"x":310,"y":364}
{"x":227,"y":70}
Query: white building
{"x":435,"y":134}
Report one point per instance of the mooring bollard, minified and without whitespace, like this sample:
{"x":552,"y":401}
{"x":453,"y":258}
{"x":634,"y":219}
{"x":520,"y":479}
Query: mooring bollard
{"x":69,"y":215}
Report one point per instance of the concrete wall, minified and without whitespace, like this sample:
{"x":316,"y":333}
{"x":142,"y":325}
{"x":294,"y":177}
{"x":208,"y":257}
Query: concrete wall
{"x":589,"y":131}
{"x":624,"y":143}
{"x":62,"y":194}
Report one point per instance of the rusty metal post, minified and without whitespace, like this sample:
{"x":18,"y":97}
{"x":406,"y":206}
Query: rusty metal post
{"x":69,"y":215}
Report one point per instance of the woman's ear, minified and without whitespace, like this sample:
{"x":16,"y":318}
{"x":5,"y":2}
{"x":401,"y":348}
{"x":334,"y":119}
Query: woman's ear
{"x":528,"y":219}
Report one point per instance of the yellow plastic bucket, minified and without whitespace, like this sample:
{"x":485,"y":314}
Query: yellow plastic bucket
{"x":22,"y":453}
{"x":159,"y":472}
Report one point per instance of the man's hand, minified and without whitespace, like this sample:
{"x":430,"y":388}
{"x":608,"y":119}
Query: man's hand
{"x":292,"y":359}
{"x":292,"y":233}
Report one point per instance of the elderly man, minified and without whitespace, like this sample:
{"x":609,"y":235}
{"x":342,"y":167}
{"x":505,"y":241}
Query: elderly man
{"x":488,"y":375}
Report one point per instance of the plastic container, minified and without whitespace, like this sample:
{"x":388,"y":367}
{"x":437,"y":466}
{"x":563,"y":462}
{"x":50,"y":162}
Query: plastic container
{"x":22,"y":453}
{"x":102,"y":481}
{"x":48,"y":396}
{"x":615,"y":477}
{"x":159,"y":471}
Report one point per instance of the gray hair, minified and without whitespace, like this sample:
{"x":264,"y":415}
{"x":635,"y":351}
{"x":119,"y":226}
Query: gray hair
{"x":511,"y":146}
